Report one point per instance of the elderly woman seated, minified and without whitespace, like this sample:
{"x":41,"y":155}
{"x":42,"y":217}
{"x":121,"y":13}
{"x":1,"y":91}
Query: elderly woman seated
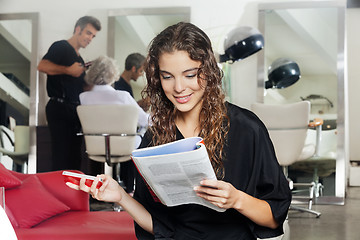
{"x":102,"y":73}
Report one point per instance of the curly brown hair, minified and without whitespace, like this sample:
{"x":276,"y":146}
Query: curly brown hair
{"x":213,"y":117}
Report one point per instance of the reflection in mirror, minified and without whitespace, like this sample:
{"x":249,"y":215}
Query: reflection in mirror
{"x":15,"y":45}
{"x":131,"y":30}
{"x":312,"y":35}
{"x":18,"y":47}
{"x":282,"y":73}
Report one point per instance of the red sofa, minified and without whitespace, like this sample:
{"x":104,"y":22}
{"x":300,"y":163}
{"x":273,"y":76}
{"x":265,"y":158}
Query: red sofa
{"x":41,"y":207}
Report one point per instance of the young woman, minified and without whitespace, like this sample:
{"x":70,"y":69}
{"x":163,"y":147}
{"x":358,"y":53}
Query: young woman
{"x":184,"y":87}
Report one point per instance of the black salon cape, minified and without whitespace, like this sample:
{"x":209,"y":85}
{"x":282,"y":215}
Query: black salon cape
{"x":250,"y":166}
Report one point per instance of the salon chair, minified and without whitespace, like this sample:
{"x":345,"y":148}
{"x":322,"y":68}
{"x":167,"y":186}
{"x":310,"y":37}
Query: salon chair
{"x":323,"y":163}
{"x":15,"y":145}
{"x":110,"y":133}
{"x":288,"y":126}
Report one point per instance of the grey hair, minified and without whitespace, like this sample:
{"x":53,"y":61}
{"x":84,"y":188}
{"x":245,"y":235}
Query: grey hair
{"x":85,"y":20}
{"x":103,"y":71}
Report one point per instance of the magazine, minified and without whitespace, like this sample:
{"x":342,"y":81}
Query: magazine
{"x":172,"y":170}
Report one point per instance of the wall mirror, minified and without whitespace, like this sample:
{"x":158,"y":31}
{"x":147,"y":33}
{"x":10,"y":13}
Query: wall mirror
{"x":312,"y":35}
{"x":131,"y":30}
{"x":18,"y":75}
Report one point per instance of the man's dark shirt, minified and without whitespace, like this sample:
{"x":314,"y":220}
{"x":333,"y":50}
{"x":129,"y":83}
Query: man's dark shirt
{"x":124,"y":86}
{"x":64,"y":86}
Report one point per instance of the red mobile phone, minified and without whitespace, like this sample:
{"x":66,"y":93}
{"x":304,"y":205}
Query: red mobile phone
{"x":75,"y":178}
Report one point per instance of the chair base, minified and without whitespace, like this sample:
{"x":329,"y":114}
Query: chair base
{"x":20,"y":166}
{"x":114,"y":171}
{"x":301,"y":209}
{"x":117,"y":208}
{"x":313,"y":188}
{"x":116,"y":167}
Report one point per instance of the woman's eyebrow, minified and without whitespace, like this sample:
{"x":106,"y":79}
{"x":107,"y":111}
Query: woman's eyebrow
{"x":163,"y":71}
{"x":191,"y":69}
{"x":185,"y":71}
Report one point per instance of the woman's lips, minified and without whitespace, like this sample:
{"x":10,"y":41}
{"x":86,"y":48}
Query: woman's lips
{"x":183,"y":99}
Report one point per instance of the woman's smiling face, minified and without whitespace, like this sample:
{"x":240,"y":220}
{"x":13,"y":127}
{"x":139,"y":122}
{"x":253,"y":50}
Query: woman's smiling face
{"x":179,"y":80}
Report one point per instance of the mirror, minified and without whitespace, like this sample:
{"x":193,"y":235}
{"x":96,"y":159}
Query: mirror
{"x":135,"y":28}
{"x":312,"y":35}
{"x":18,"y":77}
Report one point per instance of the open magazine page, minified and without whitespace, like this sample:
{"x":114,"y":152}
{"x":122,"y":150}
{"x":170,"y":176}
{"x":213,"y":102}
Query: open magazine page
{"x":172,"y":170}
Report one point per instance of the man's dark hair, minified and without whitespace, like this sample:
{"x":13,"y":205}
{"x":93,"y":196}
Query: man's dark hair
{"x":134,"y":59}
{"x":83,"y":21}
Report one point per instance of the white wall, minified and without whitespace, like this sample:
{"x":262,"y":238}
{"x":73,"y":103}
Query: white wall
{"x":353,"y":35}
{"x":57,"y":19}
{"x":321,"y":85}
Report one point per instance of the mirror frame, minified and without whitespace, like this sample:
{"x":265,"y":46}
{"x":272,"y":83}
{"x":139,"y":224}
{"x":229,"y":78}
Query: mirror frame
{"x":33,"y":110}
{"x":342,"y":134}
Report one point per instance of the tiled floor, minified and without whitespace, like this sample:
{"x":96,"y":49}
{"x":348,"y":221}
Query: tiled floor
{"x":335,"y":223}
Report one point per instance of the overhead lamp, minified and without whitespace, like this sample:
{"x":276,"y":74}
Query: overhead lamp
{"x":282,"y":73}
{"x":240,"y":43}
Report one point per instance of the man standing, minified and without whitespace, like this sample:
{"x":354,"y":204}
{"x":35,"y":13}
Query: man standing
{"x":65,"y":71}
{"x":134,"y":68}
